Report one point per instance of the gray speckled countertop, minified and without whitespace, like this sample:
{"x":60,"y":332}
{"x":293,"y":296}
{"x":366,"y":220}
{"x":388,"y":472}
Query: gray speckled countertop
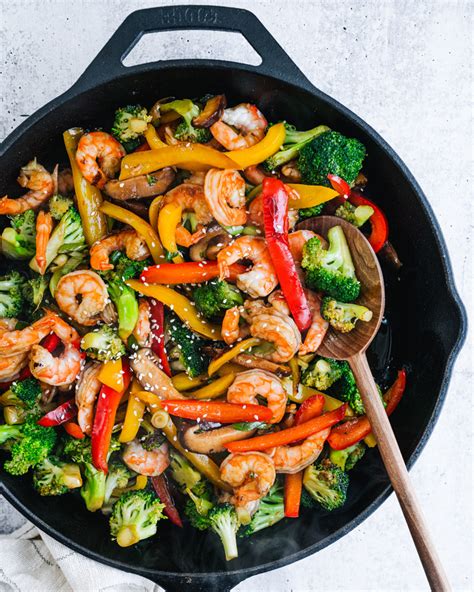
{"x":404,"y":67}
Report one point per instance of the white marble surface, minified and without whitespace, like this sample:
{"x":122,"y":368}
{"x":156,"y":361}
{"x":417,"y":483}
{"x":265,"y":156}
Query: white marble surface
{"x":403,"y":66}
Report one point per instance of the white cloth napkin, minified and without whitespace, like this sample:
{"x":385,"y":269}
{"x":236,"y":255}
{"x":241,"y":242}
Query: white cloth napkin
{"x":31,"y":561}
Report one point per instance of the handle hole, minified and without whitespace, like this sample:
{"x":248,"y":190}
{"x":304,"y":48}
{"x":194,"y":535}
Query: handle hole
{"x":201,"y":45}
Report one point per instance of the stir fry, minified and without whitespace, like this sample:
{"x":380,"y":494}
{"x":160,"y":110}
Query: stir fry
{"x":161,"y":315}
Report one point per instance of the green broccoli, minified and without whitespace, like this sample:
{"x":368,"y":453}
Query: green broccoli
{"x":67,"y":236}
{"x":185,"y":131}
{"x":129,"y":125}
{"x":183,"y":473}
{"x":28,"y":444}
{"x":135,"y":516}
{"x":270,"y":511}
{"x":321,"y":373}
{"x":343,"y":316}
{"x":213,"y":298}
{"x":103,"y":344}
{"x":33,"y":292}
{"x":55,"y":477}
{"x":197,"y":519}
{"x":357,"y":216}
{"x":11,"y":295}
{"x":123,"y":296}
{"x":187,"y":353}
{"x":331,"y":153}
{"x":59,"y":205}
{"x":331,"y":270}
{"x":347,"y":459}
{"x":294,"y":142}
{"x":19,"y":239}
{"x":72,"y":262}
{"x":311,"y":212}
{"x":345,"y":389}
{"x":117,"y":478}
{"x":224,"y":522}
{"x":194,"y":485}
{"x":25,"y":393}
{"x":327,"y":484}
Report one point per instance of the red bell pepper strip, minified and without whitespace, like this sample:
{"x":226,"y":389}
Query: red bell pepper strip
{"x":275,"y":217}
{"x":354,"y":430}
{"x":60,"y":415}
{"x":216,"y":411}
{"x":50,"y":343}
{"x":162,"y":491}
{"x":311,"y":407}
{"x":106,"y":410}
{"x":157,"y":318}
{"x":289,"y":435}
{"x":378,"y":221}
{"x":73,"y":429}
{"x":339,"y":185}
{"x":192,"y":272}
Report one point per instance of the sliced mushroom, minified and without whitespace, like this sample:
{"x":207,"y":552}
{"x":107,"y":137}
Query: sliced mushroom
{"x":250,"y":361}
{"x":137,"y":207}
{"x":212,"y":112}
{"x":155,"y":110}
{"x":146,"y":367}
{"x":141,"y":186}
{"x":211,"y":441}
{"x":207,"y":248}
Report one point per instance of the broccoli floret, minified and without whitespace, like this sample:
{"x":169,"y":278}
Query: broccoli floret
{"x":193,"y":484}
{"x":29,"y":443}
{"x":123,"y":296}
{"x":19,"y":239}
{"x":224,"y":522}
{"x":345,"y":388}
{"x":357,"y":216}
{"x":331,"y":153}
{"x":130,"y":124}
{"x":117,"y":478}
{"x":135,"y":516}
{"x":342,"y":316}
{"x":321,"y":373}
{"x":183,"y":472}
{"x":72,"y":263}
{"x":215,"y":297}
{"x":270,"y":511}
{"x":197,"y":519}
{"x":33,"y":292}
{"x":327,"y":484}
{"x":11,"y":295}
{"x":185,"y":131}
{"x":103,"y":344}
{"x":331,"y":270}
{"x":346,"y":459}
{"x":153,"y":440}
{"x":187,"y":353}
{"x":67,"y":236}
{"x":25,"y":393}
{"x":310,"y":212}
{"x":55,"y":477}
{"x":294,"y":142}
{"x":59,"y":205}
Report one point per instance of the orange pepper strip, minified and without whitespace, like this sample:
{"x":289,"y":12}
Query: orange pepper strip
{"x":256,"y":154}
{"x":111,"y":374}
{"x":216,"y":411}
{"x":73,"y":429}
{"x":292,"y":494}
{"x":310,"y":195}
{"x":190,"y":272}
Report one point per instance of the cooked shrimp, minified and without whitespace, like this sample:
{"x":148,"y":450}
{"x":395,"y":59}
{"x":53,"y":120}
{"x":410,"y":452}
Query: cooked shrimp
{"x":41,"y":185}
{"x":82,"y":295}
{"x":63,"y":330}
{"x":280,"y":330}
{"x":247,"y":119}
{"x":278,"y":301}
{"x":44,"y":226}
{"x":55,"y":370}
{"x":251,"y":474}
{"x":10,"y":366}
{"x":87,"y":389}
{"x":224,"y":191}
{"x":65,"y":182}
{"x":255,"y":211}
{"x":318,"y":328}
{"x":134,"y":245}
{"x":98,"y":157}
{"x":190,"y":196}
{"x":231,"y":328}
{"x":17,"y":341}
{"x":292,"y":459}
{"x":142,"y":329}
{"x":247,"y":386}
{"x":146,"y":462}
{"x":261,"y":279}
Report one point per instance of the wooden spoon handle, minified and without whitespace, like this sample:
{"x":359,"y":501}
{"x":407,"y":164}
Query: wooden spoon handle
{"x":398,"y":473}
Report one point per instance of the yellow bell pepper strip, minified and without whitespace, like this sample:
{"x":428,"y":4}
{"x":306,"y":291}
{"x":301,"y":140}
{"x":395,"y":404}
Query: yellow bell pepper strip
{"x":140,"y":482}
{"x":183,"y":382}
{"x":229,"y":355}
{"x":183,"y":307}
{"x":180,"y":155}
{"x":111,"y":374}
{"x":259,"y":152}
{"x":154,"y":211}
{"x":310,"y":195}
{"x":89,"y":198}
{"x":230,"y":368}
{"x":153,"y":401}
{"x":215,"y":389}
{"x":202,"y":462}
{"x":295,"y":374}
{"x":168,"y":219}
{"x":370,"y":440}
{"x":133,"y":415}
{"x":153,"y":139}
{"x":142,"y":228}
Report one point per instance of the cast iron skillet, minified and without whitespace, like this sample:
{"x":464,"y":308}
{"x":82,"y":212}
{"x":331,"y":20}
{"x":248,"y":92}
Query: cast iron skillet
{"x":425,"y":324}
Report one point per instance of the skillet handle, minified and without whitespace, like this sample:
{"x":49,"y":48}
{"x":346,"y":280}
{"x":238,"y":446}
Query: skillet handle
{"x":108,"y":63}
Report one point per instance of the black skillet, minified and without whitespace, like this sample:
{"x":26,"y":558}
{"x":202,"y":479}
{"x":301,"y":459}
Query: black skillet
{"x":425,"y":324}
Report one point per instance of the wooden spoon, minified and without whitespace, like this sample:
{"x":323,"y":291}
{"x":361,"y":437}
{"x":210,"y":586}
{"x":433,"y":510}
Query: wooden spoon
{"x":352,"y":347}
